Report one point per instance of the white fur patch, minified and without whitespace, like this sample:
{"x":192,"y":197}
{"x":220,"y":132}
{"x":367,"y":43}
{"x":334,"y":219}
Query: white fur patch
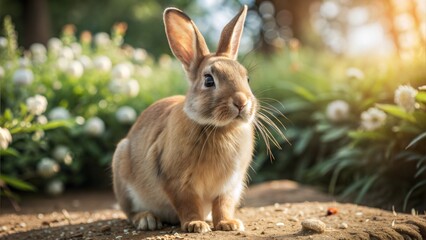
{"x":137,"y":203}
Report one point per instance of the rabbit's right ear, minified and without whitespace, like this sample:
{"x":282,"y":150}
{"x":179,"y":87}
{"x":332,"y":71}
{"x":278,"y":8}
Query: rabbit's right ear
{"x":186,"y":42}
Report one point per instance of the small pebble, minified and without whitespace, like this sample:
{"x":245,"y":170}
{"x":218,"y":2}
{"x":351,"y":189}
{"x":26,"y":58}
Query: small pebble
{"x":343,"y":225}
{"x":40,"y":215}
{"x":313,"y":225}
{"x":45,"y":223}
{"x":118,"y":237}
{"x":279,"y":224}
{"x":77,"y":235}
{"x":22,"y":224}
{"x":105,"y":228}
{"x":65,"y":213}
{"x":358,"y":214}
{"x":276,"y":205}
{"x":3,"y":228}
{"x":293,"y":219}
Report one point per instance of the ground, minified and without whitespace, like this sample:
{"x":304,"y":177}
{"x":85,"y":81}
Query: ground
{"x":273,"y":210}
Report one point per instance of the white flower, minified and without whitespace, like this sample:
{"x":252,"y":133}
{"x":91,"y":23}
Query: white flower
{"x":5,"y":138}
{"x":67,"y":53}
{"x":42,"y":119}
{"x":139,"y":54}
{"x":38,"y":135}
{"x":354,"y":73}
{"x":94,"y":126}
{"x":76,"y":49}
{"x":63,"y":63}
{"x":54,"y":45}
{"x":59,"y":113}
{"x":75,"y":69}
{"x":117,"y":85}
{"x":372,"y":119}
{"x":3,"y":42}
{"x":131,"y":88}
{"x":1,"y":72}
{"x":23,"y":77}
{"x":37,"y":105}
{"x":121,"y":71}
{"x":55,"y":187}
{"x":337,"y":111}
{"x":62,"y":153}
{"x":102,"y":63}
{"x":86,"y":62}
{"x":47,"y":167}
{"x":38,"y":49}
{"x":102,"y":39}
{"x":405,"y":97}
{"x":126,"y":114}
{"x":80,"y":120}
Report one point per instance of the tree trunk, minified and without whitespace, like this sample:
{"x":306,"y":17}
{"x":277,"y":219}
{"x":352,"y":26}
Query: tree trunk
{"x":36,"y":22}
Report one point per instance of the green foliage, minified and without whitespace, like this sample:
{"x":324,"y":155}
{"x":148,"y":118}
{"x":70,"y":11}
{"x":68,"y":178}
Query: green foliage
{"x":66,"y":117}
{"x":375,"y":152}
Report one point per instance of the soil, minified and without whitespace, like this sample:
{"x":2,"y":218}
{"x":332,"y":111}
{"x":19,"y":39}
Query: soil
{"x":273,"y":210}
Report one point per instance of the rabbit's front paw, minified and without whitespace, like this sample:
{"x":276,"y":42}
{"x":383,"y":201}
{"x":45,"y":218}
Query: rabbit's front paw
{"x":146,"y":221}
{"x":230,"y":225}
{"x":196,"y":227}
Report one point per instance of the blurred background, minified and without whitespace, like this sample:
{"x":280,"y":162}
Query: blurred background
{"x":344,"y":80}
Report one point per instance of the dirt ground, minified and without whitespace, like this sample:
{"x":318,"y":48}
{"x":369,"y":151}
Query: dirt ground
{"x":273,"y":210}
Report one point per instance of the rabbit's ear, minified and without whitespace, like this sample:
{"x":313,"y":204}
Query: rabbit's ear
{"x":231,"y":35}
{"x":186,"y":42}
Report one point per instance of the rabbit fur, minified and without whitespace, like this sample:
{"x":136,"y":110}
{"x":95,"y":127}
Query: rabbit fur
{"x":186,"y":157}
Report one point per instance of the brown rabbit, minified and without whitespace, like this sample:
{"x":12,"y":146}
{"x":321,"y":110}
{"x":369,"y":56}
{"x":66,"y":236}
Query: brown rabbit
{"x":187,"y":157}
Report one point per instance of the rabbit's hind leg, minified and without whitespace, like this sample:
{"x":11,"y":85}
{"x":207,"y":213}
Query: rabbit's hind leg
{"x":121,"y":169}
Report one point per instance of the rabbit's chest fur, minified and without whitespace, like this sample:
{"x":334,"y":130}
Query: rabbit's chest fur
{"x":210,"y":160}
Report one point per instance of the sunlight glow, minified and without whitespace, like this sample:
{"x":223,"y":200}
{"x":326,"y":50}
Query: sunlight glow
{"x":369,"y":38}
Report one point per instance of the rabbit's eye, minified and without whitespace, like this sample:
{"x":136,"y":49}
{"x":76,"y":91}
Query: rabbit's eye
{"x":248,"y":79}
{"x":208,"y":81}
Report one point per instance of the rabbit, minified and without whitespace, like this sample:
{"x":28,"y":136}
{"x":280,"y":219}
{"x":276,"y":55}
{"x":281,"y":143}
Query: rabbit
{"x":186,"y":157}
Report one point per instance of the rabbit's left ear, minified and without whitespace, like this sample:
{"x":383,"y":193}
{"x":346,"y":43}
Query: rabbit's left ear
{"x":231,"y":35}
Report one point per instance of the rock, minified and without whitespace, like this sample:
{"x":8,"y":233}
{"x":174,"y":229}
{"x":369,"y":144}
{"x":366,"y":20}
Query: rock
{"x":343,"y":225}
{"x":279,"y":224}
{"x":313,"y":225}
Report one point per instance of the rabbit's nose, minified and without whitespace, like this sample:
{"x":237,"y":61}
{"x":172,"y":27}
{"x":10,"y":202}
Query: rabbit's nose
{"x":240,"y":101}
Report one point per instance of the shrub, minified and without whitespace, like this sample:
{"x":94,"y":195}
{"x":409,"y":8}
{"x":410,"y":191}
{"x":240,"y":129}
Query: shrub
{"x":66,"y":106}
{"x":361,"y":132}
